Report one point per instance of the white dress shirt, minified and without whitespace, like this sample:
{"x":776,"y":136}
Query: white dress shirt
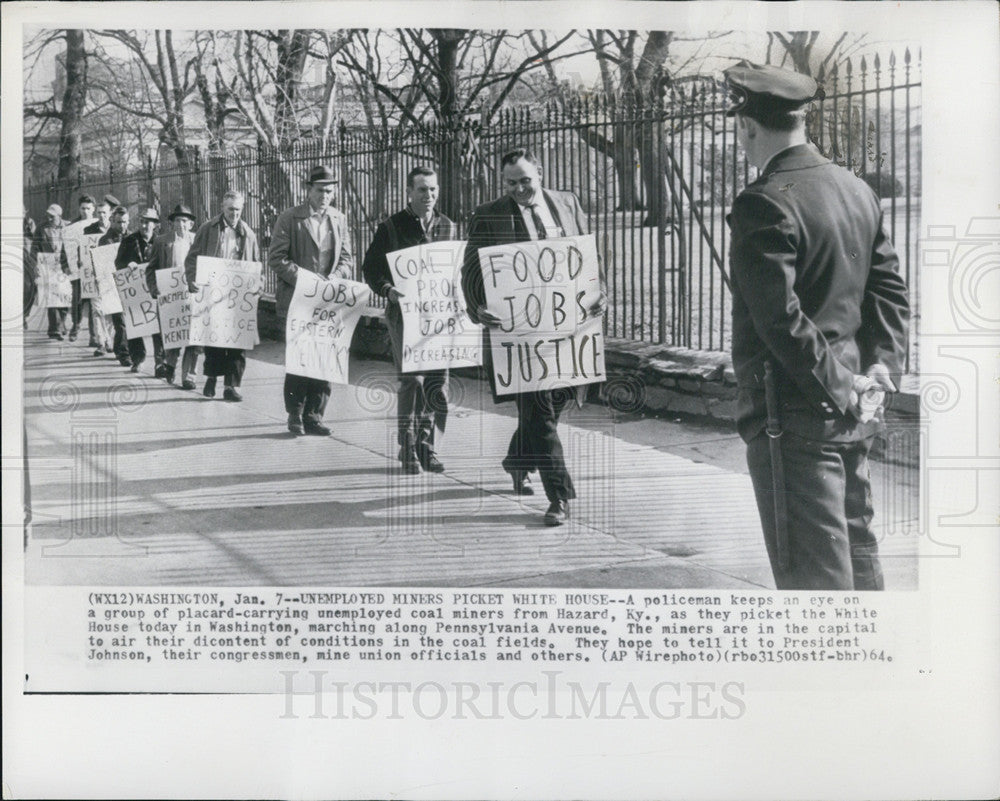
{"x":542,"y":209}
{"x":321,"y":230}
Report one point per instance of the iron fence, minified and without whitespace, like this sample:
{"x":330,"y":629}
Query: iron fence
{"x":656,"y":176}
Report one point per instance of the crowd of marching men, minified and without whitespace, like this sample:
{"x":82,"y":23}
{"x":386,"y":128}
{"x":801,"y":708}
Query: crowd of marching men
{"x":107,"y":223}
{"x":312,"y":236}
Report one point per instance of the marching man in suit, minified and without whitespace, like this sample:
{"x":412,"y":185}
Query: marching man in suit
{"x":312,"y":236}
{"x":820,"y":318}
{"x":527,"y":212}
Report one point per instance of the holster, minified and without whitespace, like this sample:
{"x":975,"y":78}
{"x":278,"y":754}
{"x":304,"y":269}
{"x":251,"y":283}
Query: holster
{"x":774,"y":432}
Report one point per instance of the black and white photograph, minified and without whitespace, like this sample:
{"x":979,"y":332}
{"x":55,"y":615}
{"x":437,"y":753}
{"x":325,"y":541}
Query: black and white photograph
{"x":621,"y":361}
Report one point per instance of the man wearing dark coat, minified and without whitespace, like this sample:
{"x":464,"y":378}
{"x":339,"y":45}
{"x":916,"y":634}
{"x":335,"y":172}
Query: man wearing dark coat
{"x":114,"y":236}
{"x":170,"y":249}
{"x":137,"y":248}
{"x":527,"y":212}
{"x":422,"y":400}
{"x":820,"y":318}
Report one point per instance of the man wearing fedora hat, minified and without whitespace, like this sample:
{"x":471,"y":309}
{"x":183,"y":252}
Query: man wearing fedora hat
{"x":137,"y":248}
{"x":312,"y":236}
{"x":170,"y":249}
{"x":225,"y":236}
{"x":820,"y":319}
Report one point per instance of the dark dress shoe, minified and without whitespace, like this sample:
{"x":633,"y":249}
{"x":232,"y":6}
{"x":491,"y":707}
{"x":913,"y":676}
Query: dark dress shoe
{"x":316,"y":429}
{"x":557,"y":513}
{"x":295,"y":425}
{"x":232,"y":394}
{"x":135,"y":367}
{"x":160,"y":372}
{"x":125,"y":362}
{"x":72,"y":336}
{"x":430,"y":462}
{"x":169,"y":375}
{"x":209,"y":390}
{"x":522,"y":485}
{"x":99,"y":352}
{"x":187,"y":383}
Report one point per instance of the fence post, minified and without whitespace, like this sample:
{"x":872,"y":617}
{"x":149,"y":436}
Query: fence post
{"x":659,"y":206}
{"x":150,"y":197}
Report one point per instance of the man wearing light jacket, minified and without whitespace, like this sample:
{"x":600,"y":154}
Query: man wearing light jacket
{"x":312,"y":236}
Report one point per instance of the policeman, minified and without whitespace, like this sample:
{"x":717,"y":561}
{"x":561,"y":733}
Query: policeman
{"x":820,"y":318}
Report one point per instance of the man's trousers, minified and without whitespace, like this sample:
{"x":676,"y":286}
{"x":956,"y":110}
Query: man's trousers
{"x":829,"y":502}
{"x":57,"y":320}
{"x":306,"y":397}
{"x":230,"y":363}
{"x":422,"y":399}
{"x":134,"y":350}
{"x":189,"y":362}
{"x":535,"y":443}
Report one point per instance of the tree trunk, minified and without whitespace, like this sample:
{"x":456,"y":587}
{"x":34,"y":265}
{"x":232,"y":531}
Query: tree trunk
{"x":625,"y":157}
{"x":293,"y":48}
{"x":73,"y":102}
{"x":449,"y":164}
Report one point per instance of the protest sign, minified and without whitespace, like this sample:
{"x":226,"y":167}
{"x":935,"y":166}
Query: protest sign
{"x":437,"y":331}
{"x":208,"y":266}
{"x":541,"y":291}
{"x":55,"y":291}
{"x":88,"y":279}
{"x":322,"y":316}
{"x":102,"y":259}
{"x":73,"y":244}
{"x":138,"y":306}
{"x":174,"y":306}
{"x":224,"y":312}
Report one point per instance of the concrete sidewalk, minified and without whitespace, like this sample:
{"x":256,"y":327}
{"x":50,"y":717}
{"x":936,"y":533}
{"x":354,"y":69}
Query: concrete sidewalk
{"x":135,"y":481}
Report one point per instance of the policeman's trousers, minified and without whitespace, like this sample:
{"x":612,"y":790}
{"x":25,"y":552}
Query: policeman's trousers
{"x":829,"y":500}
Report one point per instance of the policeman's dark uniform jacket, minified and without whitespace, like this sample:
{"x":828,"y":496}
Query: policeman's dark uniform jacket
{"x":212,"y":240}
{"x":535,"y":443}
{"x":422,"y":406}
{"x":294,"y":246}
{"x":136,"y":248}
{"x":817,"y":293}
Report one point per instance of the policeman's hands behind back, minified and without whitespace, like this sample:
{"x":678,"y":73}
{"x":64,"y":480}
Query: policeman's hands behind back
{"x":880,"y":373}
{"x":868,"y":393}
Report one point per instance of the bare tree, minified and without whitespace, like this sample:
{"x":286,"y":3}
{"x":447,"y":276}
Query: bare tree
{"x":69,"y":111}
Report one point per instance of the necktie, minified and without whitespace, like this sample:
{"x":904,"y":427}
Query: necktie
{"x":537,"y":220}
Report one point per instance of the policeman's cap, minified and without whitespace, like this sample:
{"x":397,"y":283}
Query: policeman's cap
{"x":763,"y":88}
